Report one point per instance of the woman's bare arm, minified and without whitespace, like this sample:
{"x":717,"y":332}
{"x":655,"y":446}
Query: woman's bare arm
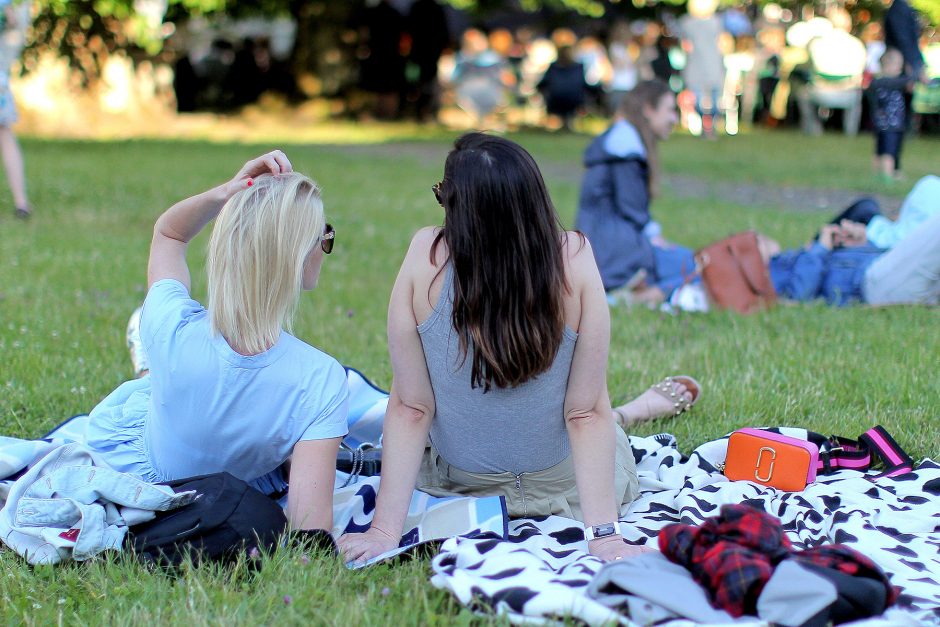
{"x":407,"y":419}
{"x":183,"y":221}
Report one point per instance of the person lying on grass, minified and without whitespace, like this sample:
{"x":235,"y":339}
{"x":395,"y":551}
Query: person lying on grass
{"x":228,"y":389}
{"x":843,"y":267}
{"x":498,"y":331}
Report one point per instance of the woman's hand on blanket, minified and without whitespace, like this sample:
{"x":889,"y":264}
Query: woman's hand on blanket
{"x":361,"y":547}
{"x":615,"y":548}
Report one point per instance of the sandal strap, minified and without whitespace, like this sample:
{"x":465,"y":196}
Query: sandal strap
{"x":666,"y":388}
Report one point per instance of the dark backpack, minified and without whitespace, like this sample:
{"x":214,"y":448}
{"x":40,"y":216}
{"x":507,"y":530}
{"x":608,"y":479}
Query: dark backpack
{"x":228,"y":518}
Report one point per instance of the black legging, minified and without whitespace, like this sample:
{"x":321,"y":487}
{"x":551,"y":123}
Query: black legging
{"x":862,"y":210}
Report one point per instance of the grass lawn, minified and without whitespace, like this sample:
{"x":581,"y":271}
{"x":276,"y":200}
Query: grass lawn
{"x":70,"y":277}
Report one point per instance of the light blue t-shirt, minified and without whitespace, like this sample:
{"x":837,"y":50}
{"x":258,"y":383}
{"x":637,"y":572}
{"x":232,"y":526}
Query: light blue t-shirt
{"x":919,"y":206}
{"x":211,"y":409}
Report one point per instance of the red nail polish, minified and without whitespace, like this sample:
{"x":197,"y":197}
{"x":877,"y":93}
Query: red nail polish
{"x":250,"y":182}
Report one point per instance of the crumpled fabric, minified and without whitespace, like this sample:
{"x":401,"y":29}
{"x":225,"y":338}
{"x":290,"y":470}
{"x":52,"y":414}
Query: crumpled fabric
{"x":71,"y":505}
{"x":733,"y":555}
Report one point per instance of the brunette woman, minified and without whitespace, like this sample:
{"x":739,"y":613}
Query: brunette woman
{"x":636,"y":263}
{"x":498,"y":331}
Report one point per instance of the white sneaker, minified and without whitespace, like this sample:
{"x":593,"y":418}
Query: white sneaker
{"x":136,"y":346}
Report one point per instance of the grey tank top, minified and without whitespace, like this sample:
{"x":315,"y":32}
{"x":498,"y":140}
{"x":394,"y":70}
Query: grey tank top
{"x":517,"y":430}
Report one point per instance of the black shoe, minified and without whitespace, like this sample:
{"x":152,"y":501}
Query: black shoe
{"x":23,"y":213}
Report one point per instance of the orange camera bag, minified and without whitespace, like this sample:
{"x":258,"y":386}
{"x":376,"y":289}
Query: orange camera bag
{"x":771,"y":459}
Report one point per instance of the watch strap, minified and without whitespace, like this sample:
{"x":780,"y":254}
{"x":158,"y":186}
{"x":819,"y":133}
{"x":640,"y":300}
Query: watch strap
{"x":605,"y":530}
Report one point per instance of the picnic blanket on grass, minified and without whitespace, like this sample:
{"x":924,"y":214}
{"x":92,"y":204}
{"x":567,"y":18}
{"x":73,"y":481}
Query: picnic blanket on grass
{"x":539,"y":569}
{"x":542,"y":571}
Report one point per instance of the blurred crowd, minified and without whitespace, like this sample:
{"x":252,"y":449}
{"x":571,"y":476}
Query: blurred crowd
{"x":731,"y":66}
{"x":727,"y":67}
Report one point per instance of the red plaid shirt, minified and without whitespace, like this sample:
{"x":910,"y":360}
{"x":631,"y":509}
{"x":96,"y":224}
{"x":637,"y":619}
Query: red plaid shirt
{"x":733,"y":555}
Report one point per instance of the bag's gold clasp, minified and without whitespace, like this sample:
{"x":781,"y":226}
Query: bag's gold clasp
{"x":770,"y":471}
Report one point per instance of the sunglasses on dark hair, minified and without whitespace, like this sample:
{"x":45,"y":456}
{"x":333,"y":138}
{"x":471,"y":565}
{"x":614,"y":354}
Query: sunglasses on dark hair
{"x":436,"y":188}
{"x":329,"y":236}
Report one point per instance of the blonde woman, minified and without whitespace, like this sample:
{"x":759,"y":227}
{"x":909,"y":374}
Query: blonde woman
{"x":228,"y":388}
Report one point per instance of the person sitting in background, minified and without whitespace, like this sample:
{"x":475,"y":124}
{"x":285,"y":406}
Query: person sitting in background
{"x":637,"y":264}
{"x":888,"y":94}
{"x":563,"y":86}
{"x":481,"y":77}
{"x":833,"y":78}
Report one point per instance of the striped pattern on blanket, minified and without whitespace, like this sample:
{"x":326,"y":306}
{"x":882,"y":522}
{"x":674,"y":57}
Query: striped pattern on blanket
{"x":543,"y":570}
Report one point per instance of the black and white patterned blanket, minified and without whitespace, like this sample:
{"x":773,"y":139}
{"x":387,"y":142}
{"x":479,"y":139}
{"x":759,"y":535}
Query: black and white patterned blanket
{"x":542,"y":571}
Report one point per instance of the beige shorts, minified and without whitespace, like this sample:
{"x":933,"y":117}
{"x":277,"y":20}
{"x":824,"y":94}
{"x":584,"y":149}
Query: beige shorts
{"x":541,"y":493}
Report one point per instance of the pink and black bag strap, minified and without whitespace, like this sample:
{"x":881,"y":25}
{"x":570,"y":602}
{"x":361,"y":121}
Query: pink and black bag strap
{"x":876,"y":444}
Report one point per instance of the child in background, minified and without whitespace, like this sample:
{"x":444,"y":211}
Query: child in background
{"x":889,"y":113}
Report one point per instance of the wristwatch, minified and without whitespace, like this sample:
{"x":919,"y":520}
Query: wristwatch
{"x":602,"y":531}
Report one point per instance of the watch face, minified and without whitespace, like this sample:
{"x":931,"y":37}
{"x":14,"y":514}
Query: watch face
{"x":602,"y":531}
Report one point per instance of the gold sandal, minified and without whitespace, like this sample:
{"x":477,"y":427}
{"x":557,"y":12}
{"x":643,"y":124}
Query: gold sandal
{"x":667,"y":390}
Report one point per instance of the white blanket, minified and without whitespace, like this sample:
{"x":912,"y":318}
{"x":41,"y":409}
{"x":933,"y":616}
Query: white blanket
{"x":542,"y":572}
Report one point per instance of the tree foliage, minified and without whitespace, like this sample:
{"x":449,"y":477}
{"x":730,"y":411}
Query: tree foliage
{"x":86,"y":32}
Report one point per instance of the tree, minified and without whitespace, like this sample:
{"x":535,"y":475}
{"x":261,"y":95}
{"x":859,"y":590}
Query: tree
{"x":86,"y":32}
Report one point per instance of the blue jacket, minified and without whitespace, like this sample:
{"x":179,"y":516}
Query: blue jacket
{"x":613,"y":208}
{"x":816,"y":272}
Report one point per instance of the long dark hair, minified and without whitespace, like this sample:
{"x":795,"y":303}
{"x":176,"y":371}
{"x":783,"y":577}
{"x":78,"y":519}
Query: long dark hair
{"x":504,"y":240}
{"x":646,"y":94}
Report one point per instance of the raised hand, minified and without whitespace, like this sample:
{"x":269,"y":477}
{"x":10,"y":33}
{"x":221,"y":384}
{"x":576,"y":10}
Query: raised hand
{"x":274,"y":162}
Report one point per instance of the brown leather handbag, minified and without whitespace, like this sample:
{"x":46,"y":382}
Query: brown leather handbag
{"x":735,"y":275}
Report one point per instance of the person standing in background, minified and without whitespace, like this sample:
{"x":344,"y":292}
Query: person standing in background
{"x":427,"y":25}
{"x":704,"y":72}
{"x":888,"y":96}
{"x":903,"y":32}
{"x":13,"y":22}
{"x":382,"y":68}
{"x":624,"y":73}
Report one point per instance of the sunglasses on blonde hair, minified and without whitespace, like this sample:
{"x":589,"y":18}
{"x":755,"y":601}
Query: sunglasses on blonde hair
{"x":329,"y":237}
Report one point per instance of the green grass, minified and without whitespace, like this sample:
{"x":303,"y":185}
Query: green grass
{"x":70,"y":277}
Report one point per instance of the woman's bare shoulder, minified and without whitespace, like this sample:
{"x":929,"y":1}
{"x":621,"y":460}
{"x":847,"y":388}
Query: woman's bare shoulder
{"x":422,"y":243}
{"x":425,"y":260}
{"x":579,"y":257}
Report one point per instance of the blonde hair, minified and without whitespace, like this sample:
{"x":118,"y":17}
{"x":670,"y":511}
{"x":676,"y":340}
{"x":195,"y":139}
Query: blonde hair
{"x":257,"y":251}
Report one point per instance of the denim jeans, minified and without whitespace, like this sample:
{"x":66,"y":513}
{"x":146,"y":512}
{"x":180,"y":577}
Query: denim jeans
{"x":675,"y":266}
